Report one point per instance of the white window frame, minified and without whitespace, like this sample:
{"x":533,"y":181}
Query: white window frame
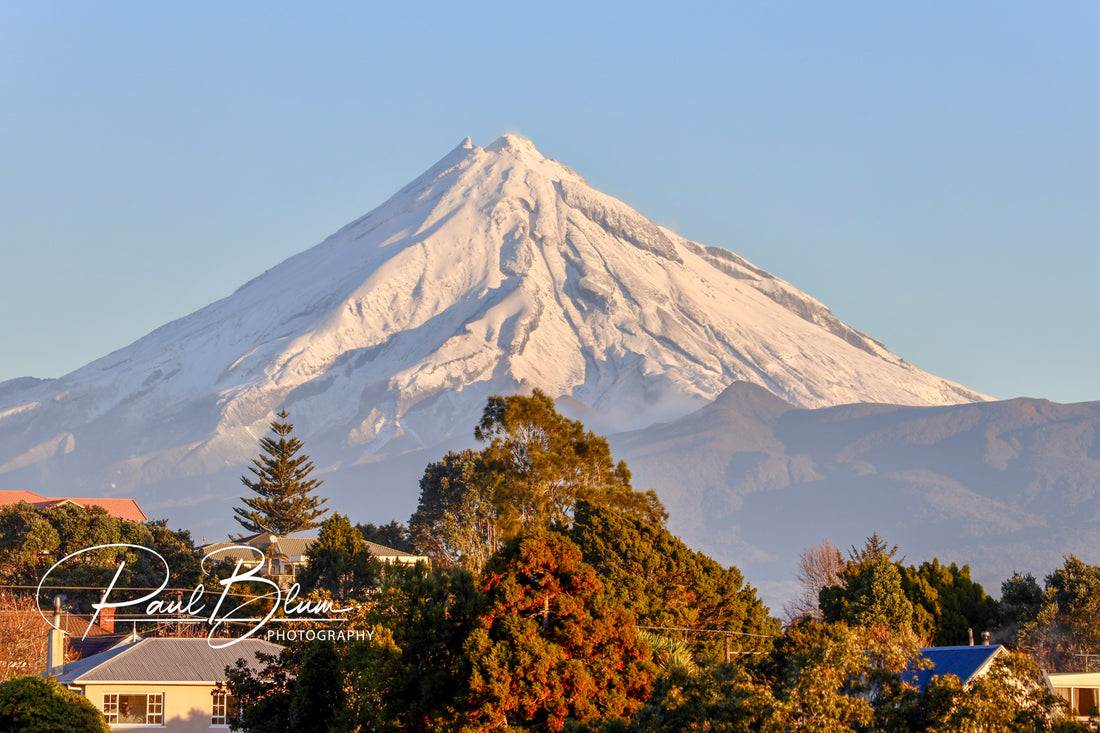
{"x":219,"y":709}
{"x":154,"y":709}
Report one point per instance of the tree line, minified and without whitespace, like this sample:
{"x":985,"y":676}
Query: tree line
{"x":557,"y":599}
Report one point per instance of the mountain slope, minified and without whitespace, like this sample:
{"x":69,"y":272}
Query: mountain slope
{"x":496,"y":270}
{"x":1004,"y":486}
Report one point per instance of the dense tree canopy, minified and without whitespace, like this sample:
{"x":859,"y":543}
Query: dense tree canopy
{"x":535,"y":469}
{"x":41,"y":705}
{"x":458,"y":521}
{"x":666,"y":583}
{"x":947,"y":605}
{"x":394,"y":534}
{"x":546,"y":463}
{"x":32,"y":540}
{"x":550,"y":646}
{"x":871,"y":596}
{"x":1064,"y":629}
{"x":339,"y":561}
{"x":939,"y":602}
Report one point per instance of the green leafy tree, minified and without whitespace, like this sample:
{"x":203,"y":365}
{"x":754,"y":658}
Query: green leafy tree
{"x":32,"y":540}
{"x":834,"y":678}
{"x":1022,"y":601}
{"x":339,"y":561}
{"x":394,"y":535}
{"x":318,"y":690}
{"x":414,"y":673}
{"x":1011,"y":697}
{"x":264,"y":695}
{"x":546,"y":463}
{"x":667,"y":584}
{"x":871,"y":596}
{"x":947,"y":604}
{"x":457,"y":521}
{"x":1065,"y":630}
{"x":280,"y":477}
{"x":28,"y":543}
{"x":550,"y":647}
{"x":536,"y":467}
{"x":41,"y":705}
{"x":724,"y":698}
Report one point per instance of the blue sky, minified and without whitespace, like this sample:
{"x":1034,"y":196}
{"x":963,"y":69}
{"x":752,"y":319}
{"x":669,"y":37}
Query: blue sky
{"x":930,"y":171}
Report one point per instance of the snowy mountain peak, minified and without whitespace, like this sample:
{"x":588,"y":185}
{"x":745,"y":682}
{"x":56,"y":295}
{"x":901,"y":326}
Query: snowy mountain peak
{"x":515,"y":145}
{"x":494,"y":271}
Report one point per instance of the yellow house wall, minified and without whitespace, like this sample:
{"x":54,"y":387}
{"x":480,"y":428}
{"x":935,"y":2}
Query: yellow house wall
{"x":187,"y":708}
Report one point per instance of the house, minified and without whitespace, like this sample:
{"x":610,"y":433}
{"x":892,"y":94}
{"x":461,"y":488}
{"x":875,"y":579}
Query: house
{"x":965,"y":662}
{"x":164,"y":683}
{"x":1080,"y":690}
{"x":287,"y":555}
{"x":118,"y":508}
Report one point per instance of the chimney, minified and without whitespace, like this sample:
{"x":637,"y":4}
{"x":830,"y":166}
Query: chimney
{"x":971,"y":632}
{"x":985,"y":638}
{"x":55,"y":649}
{"x":107,"y":619}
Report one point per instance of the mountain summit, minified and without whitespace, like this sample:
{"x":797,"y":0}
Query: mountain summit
{"x":497,"y":270}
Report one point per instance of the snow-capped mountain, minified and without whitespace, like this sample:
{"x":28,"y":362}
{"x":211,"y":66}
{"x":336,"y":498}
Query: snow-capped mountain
{"x":497,"y":270}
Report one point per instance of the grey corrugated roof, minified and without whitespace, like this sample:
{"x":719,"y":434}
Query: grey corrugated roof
{"x":165,"y":660}
{"x":229,"y":551}
{"x":291,"y":546}
{"x":382,"y":551}
{"x":294,"y":546}
{"x":965,"y":662}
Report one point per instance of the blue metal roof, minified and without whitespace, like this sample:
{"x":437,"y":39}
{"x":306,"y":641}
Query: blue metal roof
{"x":965,"y":662}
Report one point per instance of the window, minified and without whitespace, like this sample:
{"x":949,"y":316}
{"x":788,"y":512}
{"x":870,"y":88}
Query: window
{"x":134,"y":709}
{"x":223,"y":708}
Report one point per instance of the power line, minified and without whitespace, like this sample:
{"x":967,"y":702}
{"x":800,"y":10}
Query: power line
{"x":722,"y":632}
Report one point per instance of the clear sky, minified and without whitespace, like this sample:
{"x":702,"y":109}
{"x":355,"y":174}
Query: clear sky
{"x":931,"y":171}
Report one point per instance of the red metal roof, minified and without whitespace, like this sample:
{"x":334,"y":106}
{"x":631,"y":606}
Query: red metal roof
{"x":119,"y":508}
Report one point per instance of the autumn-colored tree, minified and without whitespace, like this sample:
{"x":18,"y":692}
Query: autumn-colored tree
{"x":550,"y":647}
{"x":280,"y":477}
{"x":23,"y":634}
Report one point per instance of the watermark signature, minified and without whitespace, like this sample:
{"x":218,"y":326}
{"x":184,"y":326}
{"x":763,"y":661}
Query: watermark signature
{"x":194,"y":608}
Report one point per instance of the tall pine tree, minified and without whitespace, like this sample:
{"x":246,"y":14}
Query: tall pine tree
{"x":281,"y":479}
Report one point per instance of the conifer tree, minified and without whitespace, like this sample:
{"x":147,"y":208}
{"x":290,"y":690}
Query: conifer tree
{"x":284,"y":503}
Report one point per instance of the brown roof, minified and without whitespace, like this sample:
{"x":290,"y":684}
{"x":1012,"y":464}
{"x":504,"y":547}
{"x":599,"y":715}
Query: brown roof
{"x":95,"y":644}
{"x":118,"y":508}
{"x":165,"y":660}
